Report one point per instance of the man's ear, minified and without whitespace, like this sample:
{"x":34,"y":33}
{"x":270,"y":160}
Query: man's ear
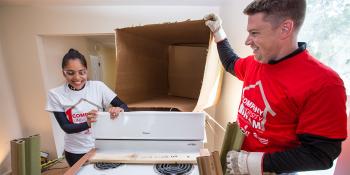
{"x":287,"y":28}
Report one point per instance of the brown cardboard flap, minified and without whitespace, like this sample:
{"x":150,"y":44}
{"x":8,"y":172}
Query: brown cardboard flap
{"x":148,"y":66}
{"x":182,"y":104}
{"x":186,"y":69}
{"x":212,"y":79}
{"x":190,"y":32}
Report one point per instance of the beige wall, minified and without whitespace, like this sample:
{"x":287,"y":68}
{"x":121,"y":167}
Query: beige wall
{"x":10,"y":125}
{"x":234,"y":24}
{"x":342,"y":166}
{"x":27,"y":72}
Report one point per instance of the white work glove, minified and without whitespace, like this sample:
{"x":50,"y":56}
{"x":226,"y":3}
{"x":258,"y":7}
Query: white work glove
{"x":244,"y":163}
{"x":214,"y":23}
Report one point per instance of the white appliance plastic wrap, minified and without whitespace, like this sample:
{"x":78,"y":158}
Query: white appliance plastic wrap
{"x":150,"y":125}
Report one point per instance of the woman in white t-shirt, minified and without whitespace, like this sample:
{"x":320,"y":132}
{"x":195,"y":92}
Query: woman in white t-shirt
{"x":75,"y":104}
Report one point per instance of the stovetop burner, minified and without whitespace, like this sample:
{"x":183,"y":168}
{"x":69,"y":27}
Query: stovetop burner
{"x":173,"y":169}
{"x":106,"y":166}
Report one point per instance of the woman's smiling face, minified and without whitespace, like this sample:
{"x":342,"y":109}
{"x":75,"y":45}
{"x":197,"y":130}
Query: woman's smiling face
{"x":75,"y":73}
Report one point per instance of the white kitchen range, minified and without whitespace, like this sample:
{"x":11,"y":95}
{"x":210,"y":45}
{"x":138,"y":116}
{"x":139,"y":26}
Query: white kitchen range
{"x":147,"y":143}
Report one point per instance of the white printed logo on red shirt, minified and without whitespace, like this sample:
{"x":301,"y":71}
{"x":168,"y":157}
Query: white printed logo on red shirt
{"x":253,"y":113}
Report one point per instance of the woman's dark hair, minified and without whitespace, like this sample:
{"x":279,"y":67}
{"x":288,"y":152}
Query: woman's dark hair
{"x":73,"y":54}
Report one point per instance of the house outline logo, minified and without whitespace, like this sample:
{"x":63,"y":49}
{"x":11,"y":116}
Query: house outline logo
{"x":70,"y":114}
{"x":266,"y":103}
{"x":92,"y":103}
{"x":69,"y":110}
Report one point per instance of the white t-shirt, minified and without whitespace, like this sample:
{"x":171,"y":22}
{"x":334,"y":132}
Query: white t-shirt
{"x":62,"y":99}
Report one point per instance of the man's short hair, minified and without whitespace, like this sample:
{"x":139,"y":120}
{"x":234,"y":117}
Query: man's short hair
{"x":279,"y":10}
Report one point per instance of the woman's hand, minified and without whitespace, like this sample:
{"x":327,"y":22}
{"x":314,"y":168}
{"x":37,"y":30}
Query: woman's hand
{"x":114,"y":111}
{"x":91,"y":117}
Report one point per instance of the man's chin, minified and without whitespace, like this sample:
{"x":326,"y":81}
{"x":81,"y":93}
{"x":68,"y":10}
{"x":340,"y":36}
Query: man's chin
{"x":258,"y":58}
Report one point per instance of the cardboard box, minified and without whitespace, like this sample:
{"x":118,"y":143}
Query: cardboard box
{"x":185,"y":71}
{"x":171,"y":65}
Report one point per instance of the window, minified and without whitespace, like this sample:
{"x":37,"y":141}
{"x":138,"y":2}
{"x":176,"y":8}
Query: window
{"x":326,"y":31}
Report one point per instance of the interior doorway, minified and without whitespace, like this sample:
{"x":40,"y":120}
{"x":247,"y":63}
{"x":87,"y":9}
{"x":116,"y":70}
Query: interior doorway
{"x":96,"y":68}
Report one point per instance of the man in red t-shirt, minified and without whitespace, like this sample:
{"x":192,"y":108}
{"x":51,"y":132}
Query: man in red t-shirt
{"x":292,"y":108}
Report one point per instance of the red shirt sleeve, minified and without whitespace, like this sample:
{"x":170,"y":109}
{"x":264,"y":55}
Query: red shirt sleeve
{"x":241,"y":66}
{"x":324,"y":113}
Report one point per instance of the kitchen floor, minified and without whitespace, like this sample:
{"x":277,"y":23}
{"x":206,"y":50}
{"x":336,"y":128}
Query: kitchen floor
{"x":57,"y":169}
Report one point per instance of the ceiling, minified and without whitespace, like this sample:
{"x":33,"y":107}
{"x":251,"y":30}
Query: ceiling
{"x":114,"y":2}
{"x":108,"y":40}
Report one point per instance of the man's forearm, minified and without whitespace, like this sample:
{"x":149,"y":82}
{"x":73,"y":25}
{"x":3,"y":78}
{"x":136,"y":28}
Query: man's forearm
{"x":314,"y":153}
{"x":227,"y":56}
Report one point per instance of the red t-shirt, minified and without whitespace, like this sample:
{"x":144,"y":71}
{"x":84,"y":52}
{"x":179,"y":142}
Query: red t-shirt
{"x":298,"y":95}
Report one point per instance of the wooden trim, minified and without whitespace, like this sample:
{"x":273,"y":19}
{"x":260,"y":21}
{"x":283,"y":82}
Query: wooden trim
{"x":75,"y":168}
{"x":209,"y":163}
{"x":217,"y":162}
